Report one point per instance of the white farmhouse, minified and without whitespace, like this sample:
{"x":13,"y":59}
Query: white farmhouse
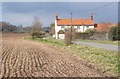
{"x":81,"y":25}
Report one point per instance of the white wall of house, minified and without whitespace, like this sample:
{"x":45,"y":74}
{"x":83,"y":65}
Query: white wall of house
{"x":56,"y":30}
{"x":83,"y":28}
{"x":61,"y":36}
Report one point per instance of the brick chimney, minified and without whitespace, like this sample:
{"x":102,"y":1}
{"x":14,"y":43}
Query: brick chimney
{"x":56,"y":16}
{"x":91,"y":16}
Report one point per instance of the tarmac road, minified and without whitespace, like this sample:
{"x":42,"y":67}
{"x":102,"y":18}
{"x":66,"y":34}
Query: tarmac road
{"x":98,"y":45}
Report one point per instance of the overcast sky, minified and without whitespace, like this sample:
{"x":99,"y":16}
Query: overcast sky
{"x":23,"y":12}
{"x":60,"y":0}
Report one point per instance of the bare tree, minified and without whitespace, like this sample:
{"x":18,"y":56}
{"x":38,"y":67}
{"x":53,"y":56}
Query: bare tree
{"x":7,"y":27}
{"x":68,"y":36}
{"x":36,"y":28}
{"x":36,"y":25}
{"x":52,"y":27}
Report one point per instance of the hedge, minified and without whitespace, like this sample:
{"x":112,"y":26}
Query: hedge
{"x":82,"y":36}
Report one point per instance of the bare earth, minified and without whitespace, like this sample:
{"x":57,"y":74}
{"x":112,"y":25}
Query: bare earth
{"x":24,"y":58}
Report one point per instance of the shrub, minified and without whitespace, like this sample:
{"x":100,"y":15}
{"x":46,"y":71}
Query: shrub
{"x":114,"y":33}
{"x":82,"y":35}
{"x":118,"y":33}
{"x":74,"y":34}
{"x":52,"y":28}
{"x":37,"y":35}
{"x":61,"y":32}
{"x":91,"y":32}
{"x":99,"y":37}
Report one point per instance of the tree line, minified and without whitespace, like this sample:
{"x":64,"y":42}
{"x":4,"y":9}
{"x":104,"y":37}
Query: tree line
{"x":7,"y":27}
{"x":35,"y":27}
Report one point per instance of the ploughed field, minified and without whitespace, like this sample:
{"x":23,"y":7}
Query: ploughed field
{"x":24,"y":58}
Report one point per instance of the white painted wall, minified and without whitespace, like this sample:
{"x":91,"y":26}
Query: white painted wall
{"x":56,"y":29}
{"x":84,"y":28}
{"x":61,"y":36}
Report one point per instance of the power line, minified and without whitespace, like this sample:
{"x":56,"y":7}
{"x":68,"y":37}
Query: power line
{"x":107,"y":17}
{"x":99,"y":7}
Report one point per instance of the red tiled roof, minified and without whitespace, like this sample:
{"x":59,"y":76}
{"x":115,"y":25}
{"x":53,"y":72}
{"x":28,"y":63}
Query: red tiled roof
{"x":75,"y":22}
{"x":99,"y":27}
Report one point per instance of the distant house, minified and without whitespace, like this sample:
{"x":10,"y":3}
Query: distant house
{"x":81,"y":25}
{"x":104,"y":26}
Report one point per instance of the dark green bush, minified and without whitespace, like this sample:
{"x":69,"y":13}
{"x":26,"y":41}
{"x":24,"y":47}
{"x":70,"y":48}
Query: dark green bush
{"x":114,"y":33}
{"x":61,"y":32}
{"x":118,"y":33}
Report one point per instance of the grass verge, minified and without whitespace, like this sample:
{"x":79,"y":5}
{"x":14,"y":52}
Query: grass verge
{"x":103,"y":59}
{"x":102,"y":42}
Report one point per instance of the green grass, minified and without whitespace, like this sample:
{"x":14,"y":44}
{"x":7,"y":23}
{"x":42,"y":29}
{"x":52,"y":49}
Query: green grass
{"x":102,"y":42}
{"x":51,"y":41}
{"x":103,"y":59}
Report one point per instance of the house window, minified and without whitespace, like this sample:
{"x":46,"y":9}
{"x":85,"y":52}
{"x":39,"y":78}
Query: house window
{"x":78,"y":27}
{"x":62,"y":27}
{"x":87,"y":26}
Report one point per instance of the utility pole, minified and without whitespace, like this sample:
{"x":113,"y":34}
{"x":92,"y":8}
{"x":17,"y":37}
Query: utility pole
{"x":71,"y":27}
{"x":83,"y":26}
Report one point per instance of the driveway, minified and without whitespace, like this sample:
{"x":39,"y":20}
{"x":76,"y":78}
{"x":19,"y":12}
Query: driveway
{"x":98,"y":45}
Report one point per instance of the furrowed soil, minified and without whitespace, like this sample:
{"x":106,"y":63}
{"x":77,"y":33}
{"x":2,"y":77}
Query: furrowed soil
{"x":24,"y":58}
